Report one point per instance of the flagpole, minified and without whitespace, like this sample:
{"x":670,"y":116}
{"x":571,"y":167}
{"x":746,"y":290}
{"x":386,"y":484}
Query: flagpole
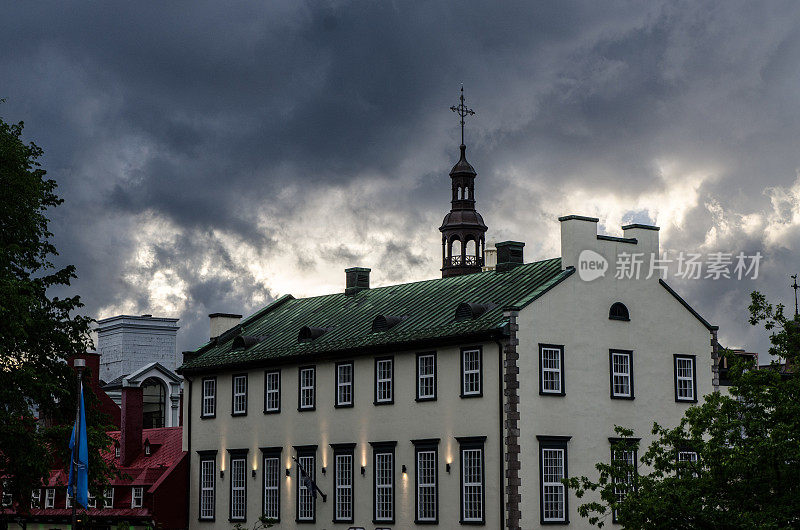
{"x":79,"y":364}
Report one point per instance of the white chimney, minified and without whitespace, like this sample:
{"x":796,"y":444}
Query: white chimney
{"x":222,"y":322}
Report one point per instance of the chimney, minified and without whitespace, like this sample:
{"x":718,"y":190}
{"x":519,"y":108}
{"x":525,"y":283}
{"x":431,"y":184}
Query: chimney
{"x":357,"y":279}
{"x":131,"y":424}
{"x":509,"y":255}
{"x":222,"y":322}
{"x":578,"y":233}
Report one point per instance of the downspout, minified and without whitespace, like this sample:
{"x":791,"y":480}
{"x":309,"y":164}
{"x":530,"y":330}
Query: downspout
{"x":500,"y":405}
{"x":187,"y":424}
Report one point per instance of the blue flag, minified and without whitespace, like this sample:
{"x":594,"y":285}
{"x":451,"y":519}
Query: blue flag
{"x":80,"y":461}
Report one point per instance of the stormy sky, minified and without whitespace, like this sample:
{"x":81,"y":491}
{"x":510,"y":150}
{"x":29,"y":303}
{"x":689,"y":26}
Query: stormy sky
{"x":215,"y":155}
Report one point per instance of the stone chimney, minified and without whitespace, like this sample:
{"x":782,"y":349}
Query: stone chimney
{"x":222,"y":322}
{"x":131,"y":424}
{"x":357,"y":280}
{"x":509,"y":255}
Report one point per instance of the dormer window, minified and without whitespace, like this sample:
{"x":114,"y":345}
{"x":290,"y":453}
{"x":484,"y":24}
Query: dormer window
{"x":468,"y":311}
{"x":385,"y":323}
{"x":147,"y":449}
{"x":307,"y":334}
{"x":618,"y":311}
{"x":117,"y":451}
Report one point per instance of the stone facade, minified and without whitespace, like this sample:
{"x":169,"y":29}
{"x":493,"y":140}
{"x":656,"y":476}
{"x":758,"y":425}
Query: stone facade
{"x":127,"y":343}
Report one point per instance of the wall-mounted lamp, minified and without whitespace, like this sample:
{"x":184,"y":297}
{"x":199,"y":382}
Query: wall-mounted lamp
{"x":447,"y":467}
{"x":253,"y":473}
{"x":363,"y":470}
{"x":323,"y":470}
{"x":403,"y":469}
{"x":288,"y":472}
{"x":221,"y":473}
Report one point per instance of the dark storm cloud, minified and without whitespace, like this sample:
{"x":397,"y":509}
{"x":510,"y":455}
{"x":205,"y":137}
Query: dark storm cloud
{"x":175,"y":129}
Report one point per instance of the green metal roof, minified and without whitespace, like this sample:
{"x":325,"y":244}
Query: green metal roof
{"x":428,"y":309}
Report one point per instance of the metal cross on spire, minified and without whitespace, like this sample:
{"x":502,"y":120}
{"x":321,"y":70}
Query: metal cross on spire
{"x":462,"y":111}
{"x":794,"y":286}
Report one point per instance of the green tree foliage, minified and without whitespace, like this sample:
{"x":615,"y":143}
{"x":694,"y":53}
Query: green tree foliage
{"x":38,"y":332}
{"x":747,"y":474}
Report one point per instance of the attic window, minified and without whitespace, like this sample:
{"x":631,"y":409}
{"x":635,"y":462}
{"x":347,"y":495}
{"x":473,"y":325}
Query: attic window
{"x":618,"y":311}
{"x":147,"y":447}
{"x":307,"y":334}
{"x":242,"y":342}
{"x":385,"y":323}
{"x":467,"y":311}
{"x":117,"y":451}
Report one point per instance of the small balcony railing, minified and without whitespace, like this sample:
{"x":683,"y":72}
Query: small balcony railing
{"x":469,"y":261}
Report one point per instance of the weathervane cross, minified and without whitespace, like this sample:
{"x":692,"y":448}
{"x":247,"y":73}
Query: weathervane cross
{"x":462,"y":111}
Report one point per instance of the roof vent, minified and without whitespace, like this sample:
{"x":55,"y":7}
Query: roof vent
{"x":467,"y":311}
{"x":385,"y":323}
{"x":242,"y":342}
{"x":357,"y":279}
{"x":307,"y":334}
{"x":509,"y":255}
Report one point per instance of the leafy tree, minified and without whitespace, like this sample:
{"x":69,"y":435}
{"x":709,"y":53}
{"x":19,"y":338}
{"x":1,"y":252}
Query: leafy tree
{"x":747,"y":471}
{"x":38,"y":332}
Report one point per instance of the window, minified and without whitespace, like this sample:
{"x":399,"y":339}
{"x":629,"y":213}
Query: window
{"x":36,"y":498}
{"x":136,"y":496}
{"x":552,"y":469}
{"x":68,"y":500}
{"x":685,"y":378}
{"x":238,"y":503}
{"x":618,"y":311}
{"x":687,"y":460}
{"x":471,"y":374}
{"x":272,"y":483}
{"x":626,"y":456}
{"x":472,"y":480}
{"x":551,"y":370}
{"x":117,"y":451}
{"x":209,"y":397}
{"x":50,"y":498}
{"x":343,"y":482}
{"x":383,"y":481}
{"x":384,"y":381}
{"x":272,"y":391}
{"x":621,"y":366}
{"x":306,"y":475}
{"x":344,"y":384}
{"x":239,"y":399}
{"x":92,"y":501}
{"x":306,"y":399}
{"x":208,"y":467}
{"x":108,"y":498}
{"x":426,"y":376}
{"x":147,"y":448}
{"x":426,"y":481}
{"x":154,"y":403}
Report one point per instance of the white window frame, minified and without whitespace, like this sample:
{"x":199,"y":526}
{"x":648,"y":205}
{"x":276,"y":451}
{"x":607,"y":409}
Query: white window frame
{"x":272,"y":391}
{"x":137,"y":496}
{"x":209,"y":401}
{"x":117,"y":451}
{"x":426,"y":482}
{"x":688,"y":456}
{"x":471,"y":378}
{"x":36,"y":497}
{"x":383,"y":484}
{"x":629,"y":456}
{"x":620,"y":378}
{"x":208,"y":492}
{"x":239,"y":395}
{"x":546,"y":369}
{"x":49,"y":498}
{"x":426,"y":372}
{"x":272,"y":486}
{"x":343,"y":462}
{"x":108,"y":498}
{"x":307,"y":388}
{"x":238,"y":498}
{"x":553,"y":495}
{"x":691,"y":379}
{"x":306,"y":502}
{"x":344,"y":384}
{"x":92,"y":502}
{"x":473,"y":499}
{"x":68,"y":500}
{"x":384,"y":380}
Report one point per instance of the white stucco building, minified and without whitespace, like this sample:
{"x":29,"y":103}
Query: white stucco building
{"x":454,"y":401}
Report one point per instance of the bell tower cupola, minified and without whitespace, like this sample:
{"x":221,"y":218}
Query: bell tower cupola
{"x":463,"y":230}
